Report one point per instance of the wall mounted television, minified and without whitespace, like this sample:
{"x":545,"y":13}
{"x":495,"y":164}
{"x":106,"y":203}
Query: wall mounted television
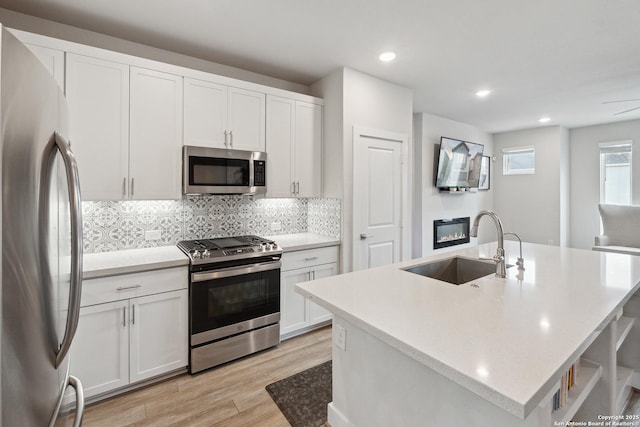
{"x":458,"y":164}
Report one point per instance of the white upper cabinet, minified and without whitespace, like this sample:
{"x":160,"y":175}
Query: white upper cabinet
{"x":98,"y":98}
{"x":129,"y":118}
{"x":294,"y":148}
{"x":220,"y":116}
{"x":125,"y":129}
{"x":308,"y":149}
{"x":246,"y":119}
{"x":205,"y":114}
{"x":52,"y":59}
{"x":280,"y":136}
{"x":156,"y":135}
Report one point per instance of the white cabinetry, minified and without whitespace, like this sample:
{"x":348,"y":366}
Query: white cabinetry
{"x":220,"y":116}
{"x":155,"y":160}
{"x":297,"y":313}
{"x":609,"y":369}
{"x":52,"y":59}
{"x":125,"y":129}
{"x":132,"y":327}
{"x":98,"y":97}
{"x":294,"y":147}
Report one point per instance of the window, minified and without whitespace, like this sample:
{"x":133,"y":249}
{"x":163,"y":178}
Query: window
{"x":615,"y":172}
{"x":518,"y":161}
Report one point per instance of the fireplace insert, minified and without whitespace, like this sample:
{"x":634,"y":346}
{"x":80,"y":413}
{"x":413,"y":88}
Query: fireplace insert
{"x":450,"y":232}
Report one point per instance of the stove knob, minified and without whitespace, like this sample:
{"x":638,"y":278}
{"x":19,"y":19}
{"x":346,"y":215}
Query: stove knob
{"x":262,"y":247}
{"x":206,"y":253}
{"x":196,"y":254}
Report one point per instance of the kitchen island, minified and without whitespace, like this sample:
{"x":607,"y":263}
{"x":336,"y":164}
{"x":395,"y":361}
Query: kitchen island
{"x":413,"y":351}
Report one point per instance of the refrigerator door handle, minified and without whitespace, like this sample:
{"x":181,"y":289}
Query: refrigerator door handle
{"x":77,"y":386}
{"x":75,"y":206}
{"x":71,"y":170}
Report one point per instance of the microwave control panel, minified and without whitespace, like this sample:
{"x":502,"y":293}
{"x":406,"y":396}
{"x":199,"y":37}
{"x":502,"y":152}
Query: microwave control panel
{"x":259,"y":173}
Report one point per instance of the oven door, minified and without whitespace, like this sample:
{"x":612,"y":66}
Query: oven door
{"x":233,"y":300}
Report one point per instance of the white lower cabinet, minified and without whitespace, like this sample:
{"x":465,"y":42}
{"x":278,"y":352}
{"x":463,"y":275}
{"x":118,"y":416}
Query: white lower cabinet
{"x":297,"y":313}
{"x":131,"y":338}
{"x":158,"y":334}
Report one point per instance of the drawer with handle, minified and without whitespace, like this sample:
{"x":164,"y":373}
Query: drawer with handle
{"x":309,"y":257}
{"x":125,"y":286}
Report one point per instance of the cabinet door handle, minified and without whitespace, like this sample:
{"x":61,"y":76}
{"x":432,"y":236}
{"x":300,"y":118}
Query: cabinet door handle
{"x":124,"y":317}
{"x":124,"y":186}
{"x":293,"y":187}
{"x":311,"y":258}
{"x":225,"y":138}
{"x":231,"y":138}
{"x":133,"y":314}
{"x":132,"y":186}
{"x":126,"y":288}
{"x":297,"y":187}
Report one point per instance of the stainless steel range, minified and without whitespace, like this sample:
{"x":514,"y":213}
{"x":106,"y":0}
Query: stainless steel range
{"x":234,"y":298}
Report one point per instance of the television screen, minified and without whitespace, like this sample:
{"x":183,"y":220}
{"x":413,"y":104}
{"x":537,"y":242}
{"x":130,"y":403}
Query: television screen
{"x":458,"y":163}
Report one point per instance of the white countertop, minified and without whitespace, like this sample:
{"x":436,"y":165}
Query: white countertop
{"x":135,"y":260}
{"x":131,"y":261}
{"x":301,"y":241}
{"x":506,"y":340}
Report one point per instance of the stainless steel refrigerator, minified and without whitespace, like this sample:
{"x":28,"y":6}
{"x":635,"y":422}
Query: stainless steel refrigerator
{"x":41,"y":242}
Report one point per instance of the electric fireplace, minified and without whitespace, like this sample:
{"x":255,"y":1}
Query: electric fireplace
{"x":450,"y":232}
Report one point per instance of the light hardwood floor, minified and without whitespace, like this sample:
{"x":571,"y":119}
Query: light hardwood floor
{"x":232,"y":395}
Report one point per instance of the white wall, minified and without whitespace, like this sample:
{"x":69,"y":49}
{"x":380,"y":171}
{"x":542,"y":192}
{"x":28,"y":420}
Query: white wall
{"x":35,"y":25}
{"x":533,"y":205}
{"x":585,"y":175}
{"x":429,"y":203}
{"x":363,"y":101}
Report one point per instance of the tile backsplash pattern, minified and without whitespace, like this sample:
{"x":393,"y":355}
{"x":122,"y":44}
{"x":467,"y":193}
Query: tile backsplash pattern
{"x":117,"y":225}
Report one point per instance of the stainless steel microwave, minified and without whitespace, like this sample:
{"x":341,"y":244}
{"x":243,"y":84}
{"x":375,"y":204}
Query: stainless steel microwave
{"x":223,"y":171}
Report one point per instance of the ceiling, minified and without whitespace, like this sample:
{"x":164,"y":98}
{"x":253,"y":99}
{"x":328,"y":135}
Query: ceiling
{"x":565,"y":59}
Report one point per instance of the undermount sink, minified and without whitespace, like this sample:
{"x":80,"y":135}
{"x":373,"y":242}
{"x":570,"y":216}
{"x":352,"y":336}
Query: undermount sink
{"x":454,"y":270}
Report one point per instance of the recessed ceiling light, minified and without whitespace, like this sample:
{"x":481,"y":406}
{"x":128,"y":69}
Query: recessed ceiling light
{"x":387,"y":56}
{"x":544,"y":119}
{"x":482,"y":93}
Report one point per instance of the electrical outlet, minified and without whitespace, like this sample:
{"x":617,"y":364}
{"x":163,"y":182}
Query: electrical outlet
{"x":340,"y":338}
{"x":276,"y":226}
{"x":152,"y":235}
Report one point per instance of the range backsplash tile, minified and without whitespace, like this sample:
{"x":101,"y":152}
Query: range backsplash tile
{"x":117,"y":225}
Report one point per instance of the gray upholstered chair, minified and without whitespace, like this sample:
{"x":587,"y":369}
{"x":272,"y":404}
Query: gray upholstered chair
{"x":621,"y":229}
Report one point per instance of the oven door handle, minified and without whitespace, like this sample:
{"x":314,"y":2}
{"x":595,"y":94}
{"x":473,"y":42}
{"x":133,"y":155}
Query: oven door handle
{"x":235,"y":271}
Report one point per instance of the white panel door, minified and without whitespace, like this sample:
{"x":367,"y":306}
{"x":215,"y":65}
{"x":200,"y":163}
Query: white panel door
{"x":159,"y":329}
{"x":246,"y":113}
{"x":98,"y":95}
{"x":280,"y":134}
{"x":205,"y":114}
{"x":378,"y":198}
{"x":292,"y":304}
{"x":155,"y":154}
{"x":100,"y":349}
{"x":308,"y":149}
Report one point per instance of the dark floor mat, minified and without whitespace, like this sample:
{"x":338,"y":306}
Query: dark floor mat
{"x":303,"y":397}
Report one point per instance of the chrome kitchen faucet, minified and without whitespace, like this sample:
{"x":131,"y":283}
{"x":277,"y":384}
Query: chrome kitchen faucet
{"x":498,"y":258}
